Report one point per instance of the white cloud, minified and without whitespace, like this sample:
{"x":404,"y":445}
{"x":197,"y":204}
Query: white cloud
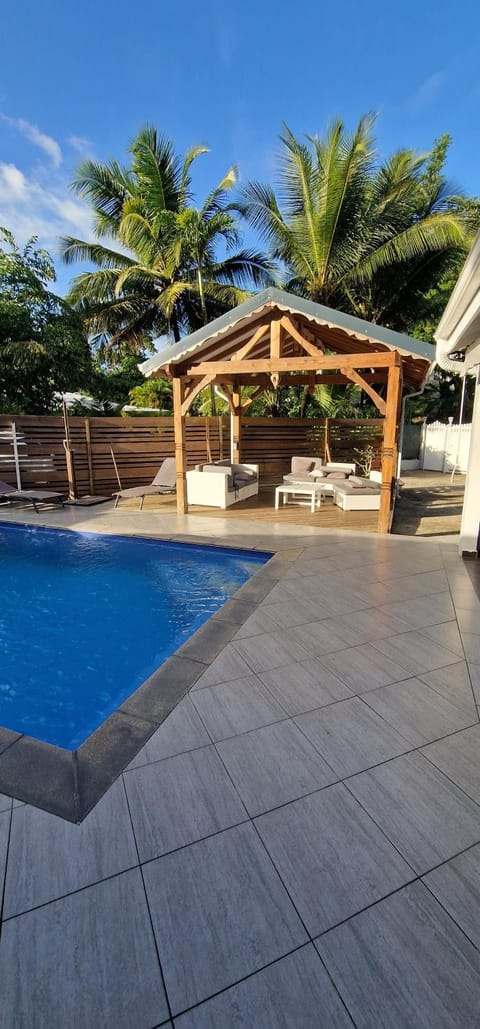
{"x":427,"y":91}
{"x":12,"y":182}
{"x":37,"y":137}
{"x":29,"y":207}
{"x":80,"y":143}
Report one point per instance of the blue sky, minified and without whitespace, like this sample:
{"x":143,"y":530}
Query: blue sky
{"x":80,"y":79}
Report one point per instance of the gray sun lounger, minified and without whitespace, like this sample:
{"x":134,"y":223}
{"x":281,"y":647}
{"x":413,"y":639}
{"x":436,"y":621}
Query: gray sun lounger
{"x":30,"y":496}
{"x":165,"y":481}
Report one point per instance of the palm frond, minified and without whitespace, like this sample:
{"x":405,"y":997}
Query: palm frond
{"x":77,"y":250}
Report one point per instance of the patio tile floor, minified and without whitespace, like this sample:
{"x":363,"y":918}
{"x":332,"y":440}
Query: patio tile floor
{"x":195,"y":784}
{"x":227,"y":878}
{"x":405,"y":963}
{"x":419,"y":810}
{"x":86,"y":960}
{"x":331,"y":856}
{"x":50,"y":857}
{"x":295,"y":991}
{"x":456,"y":884}
{"x":273,"y":766}
{"x":351,"y":737}
{"x":304,"y":686}
{"x":220,"y":912}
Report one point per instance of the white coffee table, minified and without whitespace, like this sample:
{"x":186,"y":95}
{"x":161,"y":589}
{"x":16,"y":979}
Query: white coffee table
{"x":294,"y":490}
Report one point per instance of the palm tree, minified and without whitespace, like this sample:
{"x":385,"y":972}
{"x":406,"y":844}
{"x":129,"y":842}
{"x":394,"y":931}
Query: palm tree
{"x":166,"y":276}
{"x":364,"y":237}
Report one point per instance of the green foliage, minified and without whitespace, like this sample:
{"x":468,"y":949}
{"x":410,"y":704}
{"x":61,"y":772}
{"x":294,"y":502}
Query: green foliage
{"x":43,"y":348}
{"x":166,"y":276}
{"x":153,"y":393}
{"x":441,"y":399}
{"x":116,"y":373}
{"x":364,"y":236}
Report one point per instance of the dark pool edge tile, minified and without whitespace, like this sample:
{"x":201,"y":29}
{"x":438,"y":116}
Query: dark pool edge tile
{"x":40,"y":774}
{"x":70,"y":784}
{"x":7,"y":738}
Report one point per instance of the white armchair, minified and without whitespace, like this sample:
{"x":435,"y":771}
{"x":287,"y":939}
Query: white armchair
{"x":220,"y":485}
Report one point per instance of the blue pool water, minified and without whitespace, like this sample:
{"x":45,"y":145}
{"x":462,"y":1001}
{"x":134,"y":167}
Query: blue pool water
{"x":84,"y":619}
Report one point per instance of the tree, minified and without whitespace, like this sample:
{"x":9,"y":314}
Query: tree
{"x":155,"y":394}
{"x":43,"y":347}
{"x":366,"y":237}
{"x":167,"y":276}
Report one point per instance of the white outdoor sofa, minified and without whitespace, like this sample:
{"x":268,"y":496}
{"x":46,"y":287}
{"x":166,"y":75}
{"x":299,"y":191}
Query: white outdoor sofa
{"x":350,"y":492}
{"x":357,"y":494}
{"x":221,"y":484}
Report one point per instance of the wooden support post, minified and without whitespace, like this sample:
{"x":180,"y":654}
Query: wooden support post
{"x":389,"y":447}
{"x":180,"y":456}
{"x":69,"y":456}
{"x":88,"y":440}
{"x":236,"y":423}
{"x":326,"y":442}
{"x":276,"y":338}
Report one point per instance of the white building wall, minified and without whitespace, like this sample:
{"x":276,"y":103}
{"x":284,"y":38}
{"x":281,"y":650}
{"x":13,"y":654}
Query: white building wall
{"x":471,"y":505}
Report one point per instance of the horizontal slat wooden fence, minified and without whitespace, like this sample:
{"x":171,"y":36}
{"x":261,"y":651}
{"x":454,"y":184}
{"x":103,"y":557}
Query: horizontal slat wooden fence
{"x":347,"y":436}
{"x":139,"y":446}
{"x":271,"y":442}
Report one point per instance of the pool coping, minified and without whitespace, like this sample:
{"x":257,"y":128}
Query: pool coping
{"x":70,"y":783}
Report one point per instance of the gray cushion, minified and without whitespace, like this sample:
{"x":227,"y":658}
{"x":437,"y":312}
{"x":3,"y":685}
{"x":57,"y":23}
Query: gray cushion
{"x":243,"y":478}
{"x":336,"y":475}
{"x":347,"y":487}
{"x":297,"y":477}
{"x":360,"y":480}
{"x":302,"y":464}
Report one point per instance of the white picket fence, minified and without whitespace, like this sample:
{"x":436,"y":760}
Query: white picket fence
{"x":444,"y":447}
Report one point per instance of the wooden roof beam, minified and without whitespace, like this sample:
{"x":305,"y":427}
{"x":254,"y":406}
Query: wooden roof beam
{"x":330,"y":362}
{"x":302,"y":342}
{"x":257,"y":336}
{"x":367,"y":388}
{"x":194,"y":391}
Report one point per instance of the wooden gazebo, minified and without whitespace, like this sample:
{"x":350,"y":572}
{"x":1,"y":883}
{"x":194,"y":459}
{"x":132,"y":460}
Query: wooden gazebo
{"x":279,"y":339}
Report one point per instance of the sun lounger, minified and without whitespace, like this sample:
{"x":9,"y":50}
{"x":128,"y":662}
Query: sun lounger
{"x":164,"y":482}
{"x":5,"y":489}
{"x":33,"y":496}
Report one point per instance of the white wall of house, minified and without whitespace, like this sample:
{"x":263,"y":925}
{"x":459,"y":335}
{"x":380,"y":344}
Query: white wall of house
{"x":469,"y":531}
{"x":458,"y":336}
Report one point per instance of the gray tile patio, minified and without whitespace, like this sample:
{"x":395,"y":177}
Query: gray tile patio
{"x":458,"y":756}
{"x":195,"y":785}
{"x":295,"y":991}
{"x":456,"y":884}
{"x":237,"y":706}
{"x":419,"y":713}
{"x":86,"y":960}
{"x":220,"y":912}
{"x":304,"y":686}
{"x":404,"y":963}
{"x":351,"y":736}
{"x":227,"y":857}
{"x":364,"y":668}
{"x":50,"y":857}
{"x":332,"y":858}
{"x":423,"y":813}
{"x":273,"y":766}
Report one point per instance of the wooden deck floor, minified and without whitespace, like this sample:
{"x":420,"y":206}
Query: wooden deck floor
{"x":262,"y":509}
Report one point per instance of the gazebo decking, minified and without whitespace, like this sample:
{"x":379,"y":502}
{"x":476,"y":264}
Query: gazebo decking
{"x":261,"y":509}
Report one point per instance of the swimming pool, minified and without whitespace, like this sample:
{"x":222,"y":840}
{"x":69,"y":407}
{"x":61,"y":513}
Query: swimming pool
{"x":85,"y":619}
